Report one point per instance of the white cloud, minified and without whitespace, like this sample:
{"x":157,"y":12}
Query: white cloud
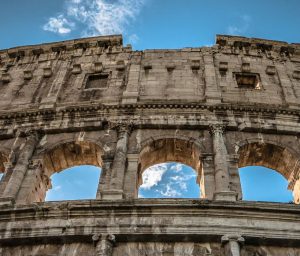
{"x":170,"y":192}
{"x":177,"y":167}
{"x":98,"y":17}
{"x":133,"y":39}
{"x":57,"y":188}
{"x":245,"y":21}
{"x":153,"y":175}
{"x":59,"y":25}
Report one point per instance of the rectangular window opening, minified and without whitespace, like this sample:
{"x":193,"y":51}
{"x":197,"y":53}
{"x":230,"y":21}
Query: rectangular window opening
{"x":248,"y":81}
{"x":96,"y":81}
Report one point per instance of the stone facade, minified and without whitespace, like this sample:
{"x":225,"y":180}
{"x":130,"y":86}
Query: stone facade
{"x":94,"y":101}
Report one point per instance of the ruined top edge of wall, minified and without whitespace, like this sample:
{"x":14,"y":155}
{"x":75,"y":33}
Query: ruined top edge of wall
{"x":265,"y":44}
{"x":100,"y":41}
{"x":117,"y":41}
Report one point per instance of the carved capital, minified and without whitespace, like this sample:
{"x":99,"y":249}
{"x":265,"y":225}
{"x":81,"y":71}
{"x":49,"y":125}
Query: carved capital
{"x":104,"y":244}
{"x":107,"y":237}
{"x":122,"y":127}
{"x":216,"y":129}
{"x":232,"y":244}
{"x":236,"y":238}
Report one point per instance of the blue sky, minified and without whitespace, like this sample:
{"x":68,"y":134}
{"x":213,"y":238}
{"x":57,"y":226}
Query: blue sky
{"x":148,"y":24}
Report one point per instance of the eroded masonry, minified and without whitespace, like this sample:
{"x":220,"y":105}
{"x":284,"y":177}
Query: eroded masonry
{"x":94,"y":101}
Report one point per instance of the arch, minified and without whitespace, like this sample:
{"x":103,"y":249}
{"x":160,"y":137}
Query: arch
{"x":69,"y":154}
{"x":269,"y":154}
{"x":60,"y":157}
{"x":169,"y":149}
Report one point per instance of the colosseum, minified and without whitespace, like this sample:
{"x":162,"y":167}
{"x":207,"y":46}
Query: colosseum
{"x":94,"y":101}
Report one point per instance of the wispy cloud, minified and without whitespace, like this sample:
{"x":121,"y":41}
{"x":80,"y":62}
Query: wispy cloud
{"x":167,"y":180}
{"x":170,"y":191}
{"x":96,"y":17}
{"x":242,"y":27}
{"x":153,"y":175}
{"x":59,"y":25}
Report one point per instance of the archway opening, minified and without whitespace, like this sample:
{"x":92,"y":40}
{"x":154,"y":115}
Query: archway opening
{"x":264,"y":184}
{"x":267,"y":172}
{"x":70,"y":171}
{"x":169,"y":180}
{"x":75,"y":183}
{"x":170,"y":168}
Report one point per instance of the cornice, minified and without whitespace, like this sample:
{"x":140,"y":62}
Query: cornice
{"x":257,"y":108}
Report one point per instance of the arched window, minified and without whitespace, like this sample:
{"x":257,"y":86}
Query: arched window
{"x":169,"y":180}
{"x":264,"y":184}
{"x":169,"y":167}
{"x":267,"y":172}
{"x":71,"y":171}
{"x":79,"y":182}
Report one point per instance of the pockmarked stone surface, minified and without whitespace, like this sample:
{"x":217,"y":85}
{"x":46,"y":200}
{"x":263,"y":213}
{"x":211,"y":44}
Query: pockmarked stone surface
{"x":94,"y":101}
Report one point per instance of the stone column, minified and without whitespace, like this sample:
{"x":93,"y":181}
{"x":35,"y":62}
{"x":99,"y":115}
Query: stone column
{"x":232,"y":244}
{"x":235,"y":176}
{"x":20,"y":169}
{"x":212,"y":90}
{"x":120,"y":161}
{"x":207,"y":182}
{"x":35,"y":184}
{"x":131,"y":177}
{"x":104,"y":182}
{"x":222,"y":177}
{"x":104,"y":244}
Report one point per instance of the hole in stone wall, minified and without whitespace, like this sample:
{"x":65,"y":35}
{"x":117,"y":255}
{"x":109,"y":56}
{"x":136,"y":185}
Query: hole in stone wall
{"x":1,"y":175}
{"x":75,"y":183}
{"x":96,"y":81}
{"x":248,"y":81}
{"x":169,"y":180}
{"x":263,"y":184}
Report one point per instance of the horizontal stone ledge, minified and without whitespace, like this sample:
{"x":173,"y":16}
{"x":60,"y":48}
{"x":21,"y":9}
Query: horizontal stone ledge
{"x":65,"y":237}
{"x":96,"y":206}
{"x":95,"y":106}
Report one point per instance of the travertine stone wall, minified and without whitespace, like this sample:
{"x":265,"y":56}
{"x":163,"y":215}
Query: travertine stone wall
{"x":95,"y":101}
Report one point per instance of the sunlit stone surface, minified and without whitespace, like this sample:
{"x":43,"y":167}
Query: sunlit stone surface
{"x":93,"y":101}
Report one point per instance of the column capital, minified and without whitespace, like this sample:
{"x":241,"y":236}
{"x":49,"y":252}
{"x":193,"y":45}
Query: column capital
{"x":235,"y":238}
{"x":107,"y":237}
{"x":122,"y":126}
{"x":217,"y":128}
{"x":232,"y":244}
{"x":104,"y":244}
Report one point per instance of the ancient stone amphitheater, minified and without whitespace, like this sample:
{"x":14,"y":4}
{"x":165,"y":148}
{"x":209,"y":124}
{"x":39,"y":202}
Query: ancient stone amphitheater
{"x":94,"y":101}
